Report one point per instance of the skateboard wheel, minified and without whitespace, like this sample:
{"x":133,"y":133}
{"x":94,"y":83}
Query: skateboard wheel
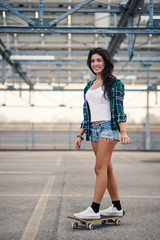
{"x":90,"y":226}
{"x":103,"y":221}
{"x":117,"y":222}
{"x":74,"y":225}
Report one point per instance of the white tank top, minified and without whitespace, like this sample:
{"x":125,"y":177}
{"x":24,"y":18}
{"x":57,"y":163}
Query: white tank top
{"x":99,"y":106}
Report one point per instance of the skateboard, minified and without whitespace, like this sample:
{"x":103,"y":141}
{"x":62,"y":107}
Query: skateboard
{"x":89,"y":222}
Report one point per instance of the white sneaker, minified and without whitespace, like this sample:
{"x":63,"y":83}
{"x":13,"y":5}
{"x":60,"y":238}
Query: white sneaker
{"x":87,"y":214}
{"x":111,"y":212}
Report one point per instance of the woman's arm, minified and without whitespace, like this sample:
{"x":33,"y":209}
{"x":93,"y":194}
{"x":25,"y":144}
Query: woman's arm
{"x":78,"y":140}
{"x":124,"y":139}
{"x":81,"y":131}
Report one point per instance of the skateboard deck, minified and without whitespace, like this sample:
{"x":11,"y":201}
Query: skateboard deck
{"x":89,"y":222}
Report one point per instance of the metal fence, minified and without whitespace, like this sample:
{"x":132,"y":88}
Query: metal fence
{"x":61,"y":136}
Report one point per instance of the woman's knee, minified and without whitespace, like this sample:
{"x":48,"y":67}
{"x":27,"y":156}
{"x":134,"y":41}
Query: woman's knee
{"x":100,"y":167}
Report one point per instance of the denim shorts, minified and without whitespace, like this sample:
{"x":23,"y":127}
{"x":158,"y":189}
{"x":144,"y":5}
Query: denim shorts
{"x":103,"y":130}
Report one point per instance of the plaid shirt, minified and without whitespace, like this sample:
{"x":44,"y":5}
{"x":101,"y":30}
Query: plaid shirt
{"x":116,"y":107}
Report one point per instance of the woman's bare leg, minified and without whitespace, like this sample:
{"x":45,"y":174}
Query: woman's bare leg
{"x":109,"y":179}
{"x":112,"y":185}
{"x":103,"y":151}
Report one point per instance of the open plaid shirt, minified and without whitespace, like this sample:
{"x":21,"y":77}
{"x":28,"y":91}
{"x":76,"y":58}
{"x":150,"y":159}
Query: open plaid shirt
{"x":116,"y":107}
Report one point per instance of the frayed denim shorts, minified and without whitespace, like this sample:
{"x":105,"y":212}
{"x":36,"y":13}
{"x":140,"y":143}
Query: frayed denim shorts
{"x":103,"y":130}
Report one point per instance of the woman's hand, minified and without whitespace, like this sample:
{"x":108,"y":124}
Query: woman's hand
{"x":124,"y":139}
{"x":77,"y":143}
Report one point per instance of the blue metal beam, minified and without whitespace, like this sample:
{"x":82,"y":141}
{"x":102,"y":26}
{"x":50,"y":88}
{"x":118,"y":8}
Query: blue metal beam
{"x":71,"y":11}
{"x":74,"y":30}
{"x":63,"y":10}
{"x":147,"y":127}
{"x":84,"y":10}
{"x":150,"y":13}
{"x":130,"y":38}
{"x":16,"y":12}
{"x":40,"y":12}
{"x":131,"y":8}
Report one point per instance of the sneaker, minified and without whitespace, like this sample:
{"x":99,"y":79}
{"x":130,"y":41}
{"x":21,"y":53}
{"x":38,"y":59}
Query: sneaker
{"x":87,"y":214}
{"x":111,"y":212}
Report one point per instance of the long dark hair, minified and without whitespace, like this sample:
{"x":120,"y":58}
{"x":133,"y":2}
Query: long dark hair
{"x":107,"y":77}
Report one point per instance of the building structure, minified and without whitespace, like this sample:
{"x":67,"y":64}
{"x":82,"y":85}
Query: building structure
{"x":44,"y":45}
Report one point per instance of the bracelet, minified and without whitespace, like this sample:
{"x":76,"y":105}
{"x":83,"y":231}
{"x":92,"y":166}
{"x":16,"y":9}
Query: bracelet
{"x":80,"y":137}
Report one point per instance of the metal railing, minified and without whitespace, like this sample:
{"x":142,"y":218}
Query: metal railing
{"x":61,"y":136}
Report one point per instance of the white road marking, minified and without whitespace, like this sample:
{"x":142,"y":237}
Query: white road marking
{"x":59,"y":160}
{"x":32,"y":227}
{"x":139,"y":196}
{"x":70,"y":195}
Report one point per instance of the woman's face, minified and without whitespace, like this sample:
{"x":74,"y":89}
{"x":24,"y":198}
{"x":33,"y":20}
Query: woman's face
{"x":97,"y":63}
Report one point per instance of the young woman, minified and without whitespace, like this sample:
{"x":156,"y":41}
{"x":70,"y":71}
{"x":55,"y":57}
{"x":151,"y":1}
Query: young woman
{"x":104,"y":121}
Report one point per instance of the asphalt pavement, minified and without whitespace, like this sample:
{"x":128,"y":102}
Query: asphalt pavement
{"x":39,"y":189}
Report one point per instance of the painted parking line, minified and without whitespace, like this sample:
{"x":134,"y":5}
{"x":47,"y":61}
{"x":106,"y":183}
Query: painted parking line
{"x":73,"y":195}
{"x":32,"y":227}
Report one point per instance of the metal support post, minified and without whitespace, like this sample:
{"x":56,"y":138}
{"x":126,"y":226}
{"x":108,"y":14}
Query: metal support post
{"x":150,"y":13}
{"x":107,"y":24}
{"x":54,"y":139}
{"x":26,"y":140}
{"x":3,"y":69}
{"x":41,"y":12}
{"x":130,"y":38}
{"x":33,"y":136}
{"x":147,"y":135}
